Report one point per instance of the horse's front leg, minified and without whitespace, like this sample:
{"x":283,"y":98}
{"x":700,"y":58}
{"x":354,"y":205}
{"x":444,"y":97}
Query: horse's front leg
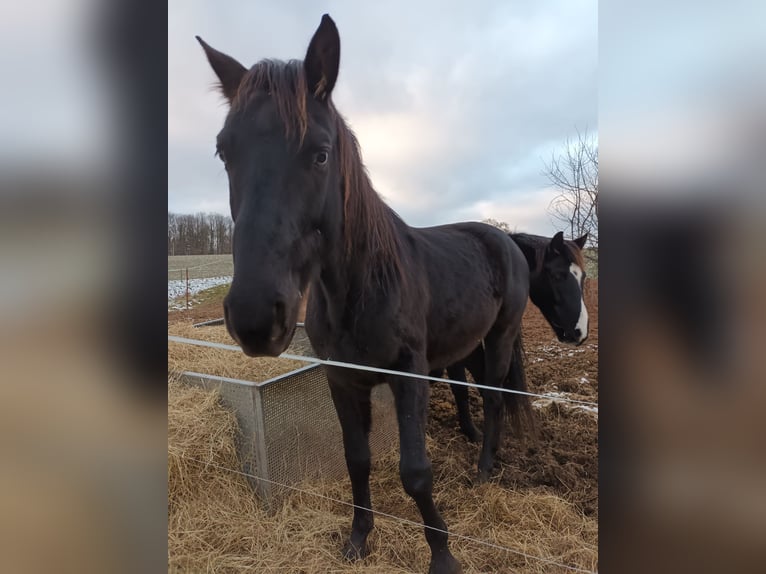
{"x":354,"y":412}
{"x":411,"y":399}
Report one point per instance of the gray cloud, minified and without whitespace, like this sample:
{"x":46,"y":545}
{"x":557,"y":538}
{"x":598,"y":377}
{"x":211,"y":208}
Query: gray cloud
{"x":455,"y":108}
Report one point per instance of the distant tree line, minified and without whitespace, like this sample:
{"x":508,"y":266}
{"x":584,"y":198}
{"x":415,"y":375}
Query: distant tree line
{"x":199,"y":234}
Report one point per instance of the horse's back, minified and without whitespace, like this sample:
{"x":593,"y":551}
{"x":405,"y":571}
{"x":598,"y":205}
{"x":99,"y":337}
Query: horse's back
{"x":473,"y":254}
{"x":476,"y":276}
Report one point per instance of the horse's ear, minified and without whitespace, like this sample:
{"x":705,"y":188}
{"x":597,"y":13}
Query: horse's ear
{"x":580,"y":241}
{"x":228,"y":70}
{"x":323,"y":59}
{"x":556,"y":246}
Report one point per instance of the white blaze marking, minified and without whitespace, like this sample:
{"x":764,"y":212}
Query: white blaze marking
{"x":582,"y":322}
{"x":575,"y":270}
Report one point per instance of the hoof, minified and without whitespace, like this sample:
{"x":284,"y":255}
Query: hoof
{"x":482,"y":476}
{"x":472,"y":435}
{"x":353,"y":552}
{"x":445,"y":565}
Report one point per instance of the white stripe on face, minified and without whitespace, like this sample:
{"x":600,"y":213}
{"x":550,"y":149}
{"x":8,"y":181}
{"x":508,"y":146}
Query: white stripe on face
{"x":582,"y":322}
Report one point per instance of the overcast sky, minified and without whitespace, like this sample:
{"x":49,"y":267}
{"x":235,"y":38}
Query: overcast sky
{"x":456,"y":105}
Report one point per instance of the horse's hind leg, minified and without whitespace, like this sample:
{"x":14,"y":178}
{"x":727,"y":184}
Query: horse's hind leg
{"x":460,"y":392}
{"x":354,"y":412}
{"x":411,"y":398}
{"x":498,"y":351}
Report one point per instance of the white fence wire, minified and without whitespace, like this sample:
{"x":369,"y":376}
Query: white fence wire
{"x":354,"y":366}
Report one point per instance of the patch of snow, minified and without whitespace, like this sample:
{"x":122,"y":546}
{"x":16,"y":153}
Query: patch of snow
{"x":177,"y":288}
{"x":540,"y":403}
{"x":560,"y":350}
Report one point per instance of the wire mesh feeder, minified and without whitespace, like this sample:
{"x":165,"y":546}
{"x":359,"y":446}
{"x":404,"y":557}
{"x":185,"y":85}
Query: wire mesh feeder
{"x":288,"y":429}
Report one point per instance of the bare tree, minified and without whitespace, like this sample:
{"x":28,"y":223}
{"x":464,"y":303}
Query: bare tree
{"x":501,"y":225}
{"x":172,"y":233}
{"x":574,"y":173}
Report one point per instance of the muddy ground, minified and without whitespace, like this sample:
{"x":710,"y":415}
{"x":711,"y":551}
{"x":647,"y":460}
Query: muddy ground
{"x":564,"y":460}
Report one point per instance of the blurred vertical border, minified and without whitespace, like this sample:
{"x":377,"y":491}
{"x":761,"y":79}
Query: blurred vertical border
{"x":682,"y":467}
{"x":83,"y":177}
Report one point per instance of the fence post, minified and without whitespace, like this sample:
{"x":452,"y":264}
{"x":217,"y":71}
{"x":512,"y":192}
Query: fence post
{"x":187,"y":288}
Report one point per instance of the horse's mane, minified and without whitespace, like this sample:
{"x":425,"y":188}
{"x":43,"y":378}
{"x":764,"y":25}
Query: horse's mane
{"x":537,"y":244}
{"x":369,"y":224}
{"x":285,"y":82}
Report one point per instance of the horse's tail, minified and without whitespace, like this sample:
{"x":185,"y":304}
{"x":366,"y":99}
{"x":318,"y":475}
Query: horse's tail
{"x":518,"y":407}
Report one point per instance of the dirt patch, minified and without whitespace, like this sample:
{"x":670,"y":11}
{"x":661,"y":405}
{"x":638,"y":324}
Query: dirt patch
{"x":565,"y":459}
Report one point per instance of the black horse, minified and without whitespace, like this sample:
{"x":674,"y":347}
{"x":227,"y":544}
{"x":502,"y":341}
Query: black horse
{"x":383,"y":293}
{"x":556,"y":279}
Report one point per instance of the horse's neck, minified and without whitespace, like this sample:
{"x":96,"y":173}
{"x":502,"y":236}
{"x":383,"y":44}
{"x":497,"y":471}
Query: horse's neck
{"x":345,"y":276}
{"x":532,"y":255}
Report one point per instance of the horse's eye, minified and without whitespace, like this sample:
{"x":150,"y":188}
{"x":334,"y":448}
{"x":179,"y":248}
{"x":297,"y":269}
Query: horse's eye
{"x":321,"y":158}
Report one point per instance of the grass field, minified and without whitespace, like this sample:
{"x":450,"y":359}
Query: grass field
{"x":200,"y":266}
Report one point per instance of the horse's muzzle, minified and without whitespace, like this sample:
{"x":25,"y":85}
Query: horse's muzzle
{"x":574,"y":337}
{"x":260,"y":328}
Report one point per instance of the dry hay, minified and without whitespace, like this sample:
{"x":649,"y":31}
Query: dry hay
{"x":236,"y":365}
{"x":215,"y":522}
